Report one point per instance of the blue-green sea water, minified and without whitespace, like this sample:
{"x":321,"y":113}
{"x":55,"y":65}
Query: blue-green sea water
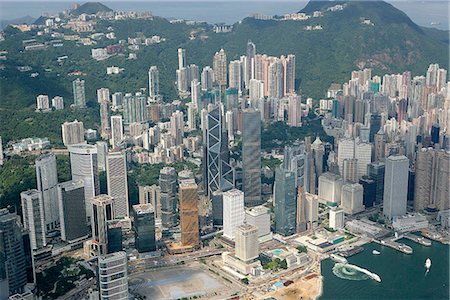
{"x":403,"y":276}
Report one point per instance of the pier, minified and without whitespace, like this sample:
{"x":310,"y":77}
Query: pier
{"x":418,"y":239}
{"x":394,"y":245}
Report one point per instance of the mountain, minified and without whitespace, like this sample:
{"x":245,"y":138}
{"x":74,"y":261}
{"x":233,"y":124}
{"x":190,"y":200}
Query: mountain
{"x":91,"y":8}
{"x":22,"y":20}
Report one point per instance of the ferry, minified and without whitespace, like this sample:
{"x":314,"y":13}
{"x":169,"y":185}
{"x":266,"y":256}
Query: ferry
{"x":338,"y":258}
{"x":428,"y":264}
{"x":375,"y":252}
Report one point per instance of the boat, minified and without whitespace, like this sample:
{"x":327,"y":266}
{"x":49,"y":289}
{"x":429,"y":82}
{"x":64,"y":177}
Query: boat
{"x":376,"y":252}
{"x":338,"y":258}
{"x":367,"y":272}
{"x":428,"y":264}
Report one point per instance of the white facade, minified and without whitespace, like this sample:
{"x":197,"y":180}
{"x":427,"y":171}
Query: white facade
{"x":336,"y":218}
{"x":395,"y":186}
{"x":116,"y":131}
{"x":330,"y":188}
{"x":58,"y":102}
{"x":113,"y":276}
{"x":346,"y":149}
{"x":410,"y":223}
{"x":233,"y":212}
{"x":83,"y":165}
{"x":363,"y":153}
{"x":42,"y":102}
{"x":116,"y":175}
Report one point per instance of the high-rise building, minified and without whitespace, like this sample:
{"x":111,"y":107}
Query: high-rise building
{"x":330,"y":186}
{"x":104,"y":102}
{"x":289,"y":74}
{"x":116,"y":176}
{"x":336,"y":218}
{"x":247,"y":247}
{"x":235,"y":75}
{"x":217,"y":207}
{"x":102,"y":210}
{"x":431,"y":188}
{"x":395,"y":186}
{"x":113,"y":276}
{"x":144,"y":227}
{"x":295,"y":111}
{"x":134,"y":108}
{"x":182,"y":80}
{"x":376,"y":172}
{"x":380,"y":146}
{"x":363,"y":153}
{"x":83,"y":166}
{"x":346,"y":150}
{"x":58,"y":102}
{"x":72,"y":133}
{"x":153,"y":82}
{"x":79,"y":97}
{"x":220,"y":67}
{"x":301,"y":221}
{"x":1,"y":152}
{"x":47,"y":180}
{"x":117,"y":99}
{"x":196,"y":95}
{"x":168,"y":186}
{"x":285,"y":201}
{"x":275,"y":79}
{"x":181,"y":58}
{"x":115,"y":236}
{"x":102,"y":152}
{"x":190,"y":234}
{"x":259,"y":216}
{"x":152,"y":195}
{"x":42,"y":102}
{"x":116,"y":131}
{"x":233,"y":212}
{"x":370,"y":189}
{"x":220,"y":174}
{"x":352,"y":198}
{"x":255,"y":89}
{"x":251,"y":157}
{"x":72,"y":210}
{"x":207,"y":78}
{"x":375,"y":125}
{"x":350,"y":170}
{"x":250,"y":68}
{"x":33,"y":217}
{"x":12,"y":253}
{"x":177,"y":126}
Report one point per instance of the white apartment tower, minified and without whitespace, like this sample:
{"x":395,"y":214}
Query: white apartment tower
{"x":72,"y":133}
{"x":47,"y":181}
{"x":233,"y":212}
{"x":116,"y":175}
{"x":33,"y":217}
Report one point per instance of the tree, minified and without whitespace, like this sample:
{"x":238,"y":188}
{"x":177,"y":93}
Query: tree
{"x":245,"y":280}
{"x":302,"y":249}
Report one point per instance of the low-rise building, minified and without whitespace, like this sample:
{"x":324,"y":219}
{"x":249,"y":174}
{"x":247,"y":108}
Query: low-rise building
{"x":410,"y":223}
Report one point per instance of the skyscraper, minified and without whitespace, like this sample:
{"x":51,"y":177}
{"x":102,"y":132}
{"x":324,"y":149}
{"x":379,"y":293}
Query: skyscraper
{"x":395,"y":186}
{"x":72,"y":133}
{"x":352,"y":198}
{"x":190,"y":234}
{"x":431,"y":188}
{"x":275,"y":79}
{"x":289,"y":74}
{"x":83,"y":165}
{"x":301,"y":220}
{"x":220,"y":175}
{"x":196,"y":95}
{"x":134,"y":108}
{"x":376,"y":172}
{"x":102,"y":210}
{"x":181,"y":58}
{"x":220,"y":67}
{"x":363,"y":153}
{"x":113,"y":276}
{"x":102,"y":152}
{"x":177,"y":126}
{"x":250,"y":68}
{"x":153,"y":82}
{"x":79,"y":98}
{"x":42,"y":102}
{"x":72,"y":210}
{"x":144,"y":227}
{"x":12,"y":252}
{"x":47,"y":180}
{"x":207,"y":78}
{"x":285,"y":201}
{"x":116,"y":130}
{"x":233,"y":212}
{"x":116,"y":176}
{"x":104,"y":102}
{"x":247,"y":247}
{"x":168,"y":185}
{"x":295,"y":111}
{"x":33,"y":217}
{"x":251,"y":157}
{"x":235,"y":75}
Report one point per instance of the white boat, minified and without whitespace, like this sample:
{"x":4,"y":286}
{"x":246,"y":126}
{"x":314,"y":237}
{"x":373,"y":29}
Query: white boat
{"x":428,"y":263}
{"x":376,"y":252}
{"x":338,"y":258}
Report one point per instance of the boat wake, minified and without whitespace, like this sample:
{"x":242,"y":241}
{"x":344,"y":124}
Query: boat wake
{"x":346,"y":271}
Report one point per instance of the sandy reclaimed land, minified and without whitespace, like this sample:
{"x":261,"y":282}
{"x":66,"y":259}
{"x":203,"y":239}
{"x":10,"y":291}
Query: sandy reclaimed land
{"x":308,"y":288}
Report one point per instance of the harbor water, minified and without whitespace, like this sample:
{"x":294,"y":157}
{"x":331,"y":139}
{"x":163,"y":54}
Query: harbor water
{"x":403,"y":276}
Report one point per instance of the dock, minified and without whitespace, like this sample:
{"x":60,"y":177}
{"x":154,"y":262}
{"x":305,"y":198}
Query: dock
{"x":418,"y":239}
